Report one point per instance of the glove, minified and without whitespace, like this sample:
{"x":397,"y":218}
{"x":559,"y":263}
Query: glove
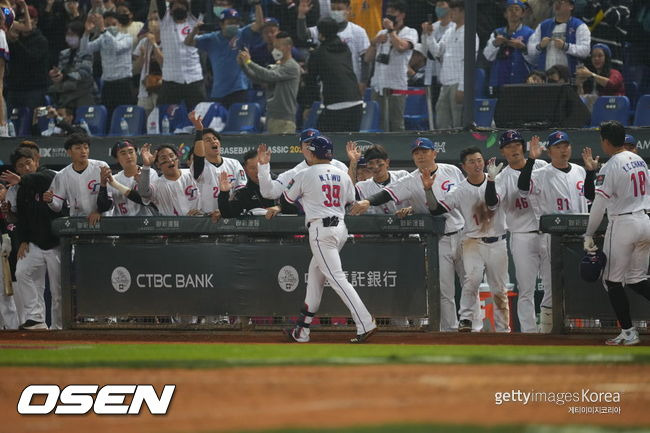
{"x":493,"y":170}
{"x":589,"y":245}
{"x":5,"y":249}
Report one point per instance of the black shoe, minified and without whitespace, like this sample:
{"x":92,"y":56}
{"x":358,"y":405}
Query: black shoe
{"x":465,"y":326}
{"x":32,"y":325}
{"x":362,"y":338}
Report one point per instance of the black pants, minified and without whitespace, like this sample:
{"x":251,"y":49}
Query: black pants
{"x":232,"y":98}
{"x":175,"y":93}
{"x":346,"y":120}
{"x":118,"y":92}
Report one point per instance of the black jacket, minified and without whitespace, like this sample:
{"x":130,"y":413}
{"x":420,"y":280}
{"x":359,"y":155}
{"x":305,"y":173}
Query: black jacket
{"x":246,"y":198}
{"x":34,"y":215}
{"x":331,"y":63}
{"x":29,"y":63}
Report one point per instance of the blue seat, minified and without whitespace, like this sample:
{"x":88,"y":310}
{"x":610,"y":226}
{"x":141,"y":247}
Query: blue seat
{"x":21,"y":118}
{"x":484,"y":112}
{"x":642,"y":116}
{"x":214,"y":115}
{"x":177,"y":117}
{"x":257,"y":96}
{"x":416,"y":112}
{"x":95,"y":116}
{"x":632,"y":93}
{"x":367,"y":94}
{"x":135,"y":118}
{"x":244,"y":119}
{"x":479,"y":83}
{"x":611,"y":108}
{"x":370,"y":121}
{"x":314,"y":112}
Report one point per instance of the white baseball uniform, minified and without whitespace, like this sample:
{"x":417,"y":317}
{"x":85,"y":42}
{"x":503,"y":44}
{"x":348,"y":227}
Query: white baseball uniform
{"x":624,"y":182}
{"x":80,"y":190}
{"x":450,"y":245}
{"x":324,"y":191}
{"x":554,"y":191}
{"x":11,"y":307}
{"x":174,"y":197}
{"x":484,"y":250}
{"x":122,"y":206}
{"x":273,"y":188}
{"x":208,"y":181}
{"x":369,"y":187}
{"x":528,"y":246}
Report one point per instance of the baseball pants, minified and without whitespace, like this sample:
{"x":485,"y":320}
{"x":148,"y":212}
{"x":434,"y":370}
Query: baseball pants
{"x":531,"y":257}
{"x":325,"y":243}
{"x":30,"y":273}
{"x":491,"y":259}
{"x":450,"y":262}
{"x":627,"y":247}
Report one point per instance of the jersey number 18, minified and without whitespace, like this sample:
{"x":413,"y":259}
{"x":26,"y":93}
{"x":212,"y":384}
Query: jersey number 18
{"x":638,"y":181}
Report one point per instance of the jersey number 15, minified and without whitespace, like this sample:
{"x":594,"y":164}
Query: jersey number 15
{"x":332,"y":195}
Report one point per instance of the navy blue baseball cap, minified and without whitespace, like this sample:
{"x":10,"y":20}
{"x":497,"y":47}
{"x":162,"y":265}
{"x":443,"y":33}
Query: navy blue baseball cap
{"x":322,"y":147}
{"x":519,"y":3}
{"x":510,"y":136}
{"x":592,"y":265}
{"x":422,"y":143}
{"x":362,"y":162}
{"x":271,"y":22}
{"x":308,"y":134}
{"x":229,"y":13}
{"x":557,"y":137}
{"x":630,"y":140}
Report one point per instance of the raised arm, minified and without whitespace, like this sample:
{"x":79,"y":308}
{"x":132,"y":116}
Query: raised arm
{"x":271,"y":189}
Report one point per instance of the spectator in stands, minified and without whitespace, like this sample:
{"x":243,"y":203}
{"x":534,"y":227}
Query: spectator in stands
{"x":54,"y":19}
{"x":126,"y":23}
{"x":451,"y":48}
{"x":599,"y":77}
{"x":416,"y":70}
{"x":350,"y":33}
{"x":331,"y":65}
{"x":62,"y":125}
{"x":248,"y":198}
{"x":72,"y":80}
{"x":507,"y":48}
{"x":537,"y":11}
{"x":27,"y":79}
{"x":282,"y":81}
{"x":218,"y":6}
{"x":182,"y":75}
{"x":390,"y":51}
{"x":368,"y":14}
{"x":101,"y":6}
{"x":229,"y":83}
{"x":562,"y":40}
{"x":262,"y":53}
{"x":148,"y":60}
{"x":437,"y":29}
{"x":4,"y":59}
{"x":286,"y":12}
{"x":536,"y":77}
{"x":608,"y":21}
{"x":558,"y":74}
{"x":115,"y":50}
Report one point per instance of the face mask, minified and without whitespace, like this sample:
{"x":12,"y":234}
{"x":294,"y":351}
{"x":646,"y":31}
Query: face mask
{"x":231,"y":31}
{"x":123,"y":19}
{"x":442,"y":12}
{"x":72,"y":41}
{"x":217,"y":10}
{"x":277,"y":54}
{"x":339,"y":16}
{"x":113,"y":30}
{"x":179,"y":14}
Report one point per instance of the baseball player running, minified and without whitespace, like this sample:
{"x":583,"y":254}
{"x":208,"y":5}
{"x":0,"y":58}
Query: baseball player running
{"x":554,"y":189}
{"x":449,"y":246}
{"x":325,"y":190}
{"x":484,"y":244}
{"x":621,"y":188}
{"x":529,"y":251}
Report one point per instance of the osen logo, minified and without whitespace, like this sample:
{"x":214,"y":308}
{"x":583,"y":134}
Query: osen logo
{"x":121,"y":279}
{"x":288,"y":278}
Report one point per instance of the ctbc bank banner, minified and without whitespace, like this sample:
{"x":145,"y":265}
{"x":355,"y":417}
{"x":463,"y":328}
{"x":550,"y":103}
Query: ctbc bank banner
{"x":261,"y":278}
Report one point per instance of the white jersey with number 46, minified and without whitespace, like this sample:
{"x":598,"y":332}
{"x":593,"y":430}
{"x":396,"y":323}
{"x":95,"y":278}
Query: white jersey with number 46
{"x":555,"y":191}
{"x":323,"y":190}
{"x":623,"y":182}
{"x":520,"y":215}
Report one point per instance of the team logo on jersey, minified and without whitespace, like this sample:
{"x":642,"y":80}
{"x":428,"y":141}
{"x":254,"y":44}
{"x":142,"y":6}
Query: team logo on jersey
{"x":581,"y":186}
{"x":186,"y":30}
{"x":290,"y":184}
{"x":600,"y":179}
{"x":121,"y":279}
{"x":446,"y":185}
{"x":288,"y":278}
{"x":191,"y":192}
{"x":93,"y":186}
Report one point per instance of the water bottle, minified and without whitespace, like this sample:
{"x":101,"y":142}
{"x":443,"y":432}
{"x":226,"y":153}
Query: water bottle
{"x":165,"y":125}
{"x":85,"y":127}
{"x":12,"y":129}
{"x":124,"y":126}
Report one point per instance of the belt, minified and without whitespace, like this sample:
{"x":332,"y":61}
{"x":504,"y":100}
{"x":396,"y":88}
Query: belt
{"x":493,"y":239}
{"x":328,"y":222}
{"x":451,"y":233}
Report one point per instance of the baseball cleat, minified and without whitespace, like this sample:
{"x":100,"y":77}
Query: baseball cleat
{"x":362,"y":338}
{"x":296,"y":335}
{"x":32,"y":325}
{"x":627,"y":337}
{"x":465,"y":326}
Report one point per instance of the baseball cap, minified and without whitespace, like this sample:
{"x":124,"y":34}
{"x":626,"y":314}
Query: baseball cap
{"x":592,"y":265}
{"x":422,"y":143}
{"x":510,"y":136}
{"x":308,"y":134}
{"x":630,"y":140}
{"x":229,"y":13}
{"x":120,"y":145}
{"x":271,"y":22}
{"x":557,"y":137}
{"x":322,"y":147}
{"x":362,"y":162}
{"x":519,"y":3}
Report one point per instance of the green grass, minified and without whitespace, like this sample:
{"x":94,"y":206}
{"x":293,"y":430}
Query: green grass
{"x":130,"y":355}
{"x":422,"y":428}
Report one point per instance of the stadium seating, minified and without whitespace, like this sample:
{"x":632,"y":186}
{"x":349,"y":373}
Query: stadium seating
{"x":176,"y":115}
{"x":416,"y":112}
{"x":257,"y":96}
{"x":214,"y":115}
{"x":642,"y":116}
{"x":371,"y":117}
{"x":135,"y":118}
{"x":632,"y":93}
{"x":312,"y":118}
{"x":611,"y":108}
{"x":21,"y":118}
{"x":95,"y":116}
{"x":484,"y":112}
{"x":244,"y":119}
{"x":479,"y":83}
